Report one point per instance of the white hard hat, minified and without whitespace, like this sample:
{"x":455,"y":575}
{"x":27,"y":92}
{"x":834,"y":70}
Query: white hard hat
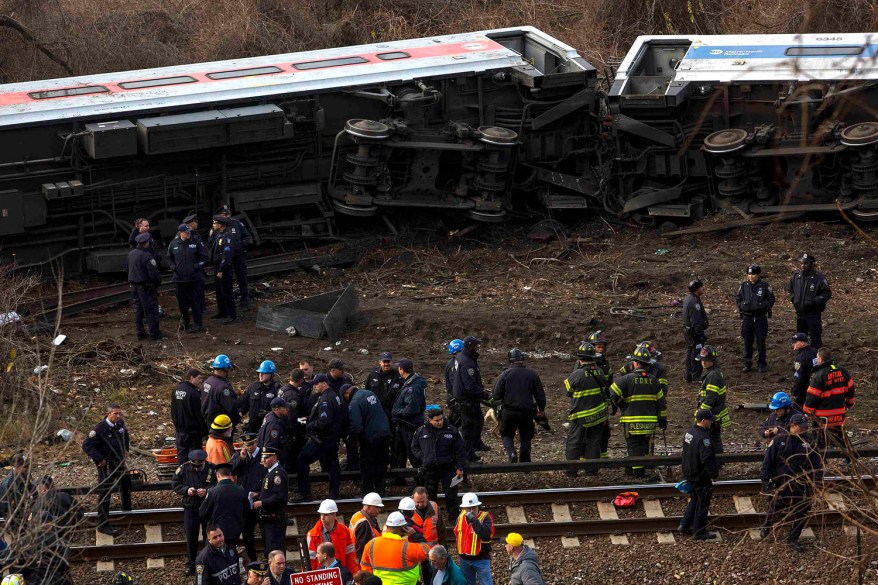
{"x":327,"y":507}
{"x":396,"y":519}
{"x":372,"y":499}
{"x":407,"y":504}
{"x":470,"y":500}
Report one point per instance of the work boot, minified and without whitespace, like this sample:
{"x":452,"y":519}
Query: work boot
{"x":107,"y":529}
{"x":218,"y":316}
{"x":764,"y":532}
{"x":141,"y":335}
{"x":190,"y":570}
{"x":512,"y":457}
{"x":797,"y":546}
{"x":747,"y":368}
{"x":763,"y":369}
{"x":158,"y":335}
{"x":706,"y":535}
{"x":683,"y":529}
{"x":196,"y":329}
{"x":483,"y":447}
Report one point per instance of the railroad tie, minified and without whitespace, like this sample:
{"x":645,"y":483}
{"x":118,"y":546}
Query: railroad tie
{"x":154,"y":534}
{"x":102,"y":539}
{"x":607,"y":511}
{"x":561,"y":513}
{"x":744,"y":505}
{"x":516,"y":515}
{"x":653,"y":509}
{"x":293,"y":530}
{"x":836,"y":502}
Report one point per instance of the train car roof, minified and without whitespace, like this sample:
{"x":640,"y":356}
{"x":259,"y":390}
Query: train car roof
{"x":746,"y":58}
{"x":123,"y":93}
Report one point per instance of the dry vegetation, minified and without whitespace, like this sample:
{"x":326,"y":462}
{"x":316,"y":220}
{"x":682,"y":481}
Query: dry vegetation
{"x":112,"y":35}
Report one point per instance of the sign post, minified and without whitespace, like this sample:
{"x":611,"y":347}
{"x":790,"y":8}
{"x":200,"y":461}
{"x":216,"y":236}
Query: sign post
{"x":319,"y":577}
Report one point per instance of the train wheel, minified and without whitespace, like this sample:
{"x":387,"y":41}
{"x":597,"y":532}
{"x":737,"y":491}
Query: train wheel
{"x":354,"y":210}
{"x":726,"y":141}
{"x":487,"y":216}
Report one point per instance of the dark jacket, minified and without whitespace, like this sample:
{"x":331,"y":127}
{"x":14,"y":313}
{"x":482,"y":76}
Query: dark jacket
{"x":249,"y":470}
{"x":186,"y":409}
{"x":106,"y":443}
{"x":60,"y":506}
{"x":411,"y":402}
{"x":467,"y":378}
{"x":187,"y":259}
{"x":225,"y":505}
{"x":791,"y":463}
{"x":257,"y":402}
{"x":756,"y":299}
{"x":802,"y":373}
{"x":367,"y":417}
{"x":15,"y":490}
{"x":781,"y":422}
{"x":519,"y":388}
{"x":335,"y":384}
{"x":153,"y":245}
{"x":217,"y":566}
{"x":239,"y":232}
{"x":219,"y":398}
{"x":658,"y":370}
{"x":143,"y":268}
{"x":346,"y":576}
{"x":642,"y":401}
{"x":809,"y":291}
{"x":830,"y":394}
{"x":712,"y":395}
{"x":694,"y":318}
{"x":326,"y":417}
{"x":439,"y":447}
{"x":274,"y":492}
{"x":449,"y":379}
{"x":273,"y":433}
{"x":699,"y":457}
{"x":222,"y":249}
{"x":525,"y":570}
{"x":187,"y":477}
{"x":589,"y":396}
{"x":385,"y":386}
{"x":284,"y":578}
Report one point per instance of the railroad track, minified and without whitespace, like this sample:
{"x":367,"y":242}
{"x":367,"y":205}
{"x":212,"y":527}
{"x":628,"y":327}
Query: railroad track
{"x":563,"y":525}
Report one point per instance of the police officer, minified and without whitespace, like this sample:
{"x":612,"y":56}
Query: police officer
{"x":217,"y":563}
{"x":712,"y":394}
{"x":248,"y":469}
{"x":520,"y":395}
{"x":192,"y":222}
{"x":258,"y":397}
{"x":694,"y":328}
{"x":408,"y":413}
{"x":441,"y":450}
{"x":468,"y":394}
{"x":778,"y":422}
{"x":455,"y":346}
{"x":755,"y":300}
{"x":809,"y":293}
{"x":803,"y":366}
{"x":219,"y":397}
{"x":589,"y":409}
{"x":187,"y":258}
{"x":256,"y":572}
{"x":337,"y":377}
{"x":831,"y":394}
{"x":272,"y":503}
{"x":225,"y":505}
{"x":700,"y":468}
{"x":790,"y":467}
{"x":384,"y":381}
{"x":296,"y":396}
{"x":145,"y":278}
{"x":323,"y":435}
{"x":644,"y":410}
{"x":239,"y":232}
{"x":189,"y":425}
{"x":141,"y":226}
{"x":369,"y":427}
{"x":107,"y":445}
{"x":274,"y":433}
{"x":191,"y":480}
{"x":222,"y":252}
{"x":600,"y":342}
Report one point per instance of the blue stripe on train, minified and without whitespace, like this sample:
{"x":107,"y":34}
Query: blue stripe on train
{"x":780,"y":52}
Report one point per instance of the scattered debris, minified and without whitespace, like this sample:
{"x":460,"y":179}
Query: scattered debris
{"x":323,"y":315}
{"x":59,"y":340}
{"x":40,"y":369}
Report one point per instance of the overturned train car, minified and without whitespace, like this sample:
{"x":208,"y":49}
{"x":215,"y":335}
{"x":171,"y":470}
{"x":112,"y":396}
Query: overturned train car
{"x":478,"y":125}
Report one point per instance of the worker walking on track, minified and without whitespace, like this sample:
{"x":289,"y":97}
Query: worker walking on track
{"x":519,"y":394}
{"x":474,"y":531}
{"x":589,"y":409}
{"x":391,"y":556}
{"x":329,"y":529}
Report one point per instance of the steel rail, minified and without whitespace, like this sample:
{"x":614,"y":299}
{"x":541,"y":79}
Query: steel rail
{"x":542,"y":466}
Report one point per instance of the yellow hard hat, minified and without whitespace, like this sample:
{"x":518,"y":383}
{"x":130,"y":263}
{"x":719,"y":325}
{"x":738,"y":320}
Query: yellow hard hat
{"x":221,"y":423}
{"x":514,"y":538}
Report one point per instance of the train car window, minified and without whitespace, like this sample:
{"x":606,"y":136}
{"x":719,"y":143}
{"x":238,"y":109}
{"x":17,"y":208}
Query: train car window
{"x":823,"y":51}
{"x":156,"y":82}
{"x":392,"y":56}
{"x":244,"y":72}
{"x":329,"y":63}
{"x":68,"y":92}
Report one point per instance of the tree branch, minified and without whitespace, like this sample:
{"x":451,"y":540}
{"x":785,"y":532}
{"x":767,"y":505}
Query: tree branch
{"x":9,"y":22}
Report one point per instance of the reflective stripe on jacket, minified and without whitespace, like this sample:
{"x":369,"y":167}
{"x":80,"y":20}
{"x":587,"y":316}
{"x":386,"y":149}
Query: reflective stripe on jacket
{"x":394,"y":559}
{"x":830,"y":394}
{"x":712,"y":396}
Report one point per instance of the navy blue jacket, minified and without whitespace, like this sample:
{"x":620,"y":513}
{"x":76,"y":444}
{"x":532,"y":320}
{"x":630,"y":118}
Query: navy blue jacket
{"x":217,"y":566}
{"x":249,"y":470}
{"x":186,"y":409}
{"x":699,"y":457}
{"x":802,"y":369}
{"x":367,"y":417}
{"x":107,"y":444}
{"x":256,"y":401}
{"x":411,"y":402}
{"x":791,"y":460}
{"x":153,"y":246}
{"x":755,"y":300}
{"x":187,"y":477}
{"x":385,"y":386}
{"x":273,"y":433}
{"x":781,"y":422}
{"x":694,"y":318}
{"x":224,"y":506}
{"x":222,"y":249}
{"x":519,"y":388}
{"x":467,"y":379}
{"x":449,"y":379}
{"x":187,"y":259}
{"x":439,"y":447}
{"x":809,"y":291}
{"x":274,"y":492}
{"x":326,"y":418}
{"x":143,"y":268}
{"x":239,"y":232}
{"x":219,"y":398}
{"x":336,"y":383}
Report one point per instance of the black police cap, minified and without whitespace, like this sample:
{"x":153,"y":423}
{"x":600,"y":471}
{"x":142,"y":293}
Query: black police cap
{"x":190,"y":218}
{"x":143,"y":238}
{"x":258,"y":567}
{"x":754,"y":269}
{"x":695,"y":285}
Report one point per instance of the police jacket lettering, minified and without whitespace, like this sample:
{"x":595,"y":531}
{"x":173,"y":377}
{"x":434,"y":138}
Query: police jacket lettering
{"x":439,"y":447}
{"x":217,"y":566}
{"x":186,"y":409}
{"x":187,"y":259}
{"x":699,"y":457}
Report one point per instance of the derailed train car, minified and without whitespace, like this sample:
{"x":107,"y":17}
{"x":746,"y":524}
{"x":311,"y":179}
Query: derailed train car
{"x":474,"y":125}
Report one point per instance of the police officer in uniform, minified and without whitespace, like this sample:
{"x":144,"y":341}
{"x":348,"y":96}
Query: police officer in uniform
{"x":712,"y":394}
{"x":258,"y":397}
{"x":694,"y":328}
{"x":217,"y":563}
{"x":191,"y":480}
{"x":369,"y":427}
{"x":790,"y":467}
{"x":189,"y":425}
{"x":700,"y":468}
{"x":192,"y":222}
{"x":441,"y":450}
{"x":384,"y":381}
{"x":141,"y":226}
{"x":274,"y":433}
{"x":455,"y":346}
{"x":809,"y":293}
{"x":778,"y":422}
{"x":225,"y":505}
{"x":755,"y":300}
{"x":520,"y":395}
{"x":639,"y":395}
{"x":589,"y":409}
{"x":222,"y":252}
{"x":408,"y":413}
{"x":803,"y":366}
{"x":107,"y":445}
{"x":295,"y":395}
{"x":145,"y":278}
{"x":187,"y":258}
{"x":247,"y":467}
{"x":323,"y":432}
{"x":468,"y":394}
{"x":272,"y":503}
{"x":239,"y":232}
{"x":219,"y":397}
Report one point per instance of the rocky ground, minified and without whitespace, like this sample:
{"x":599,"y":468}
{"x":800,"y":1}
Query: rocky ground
{"x":540,"y":296}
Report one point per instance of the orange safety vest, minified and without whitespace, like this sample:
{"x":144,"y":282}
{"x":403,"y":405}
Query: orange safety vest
{"x":218,"y":451}
{"x":394,"y":559}
{"x":428,"y":525}
{"x":356,"y":519}
{"x":468,"y":542}
{"x":342,"y":541}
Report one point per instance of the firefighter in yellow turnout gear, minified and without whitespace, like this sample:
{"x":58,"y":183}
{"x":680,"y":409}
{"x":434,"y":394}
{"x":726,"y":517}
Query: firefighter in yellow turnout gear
{"x":589,"y":401}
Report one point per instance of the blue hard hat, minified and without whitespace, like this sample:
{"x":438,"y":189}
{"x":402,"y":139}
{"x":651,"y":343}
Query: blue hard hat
{"x":780,"y":400}
{"x":267,"y":367}
{"x":221,"y":362}
{"x":455,"y":346}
